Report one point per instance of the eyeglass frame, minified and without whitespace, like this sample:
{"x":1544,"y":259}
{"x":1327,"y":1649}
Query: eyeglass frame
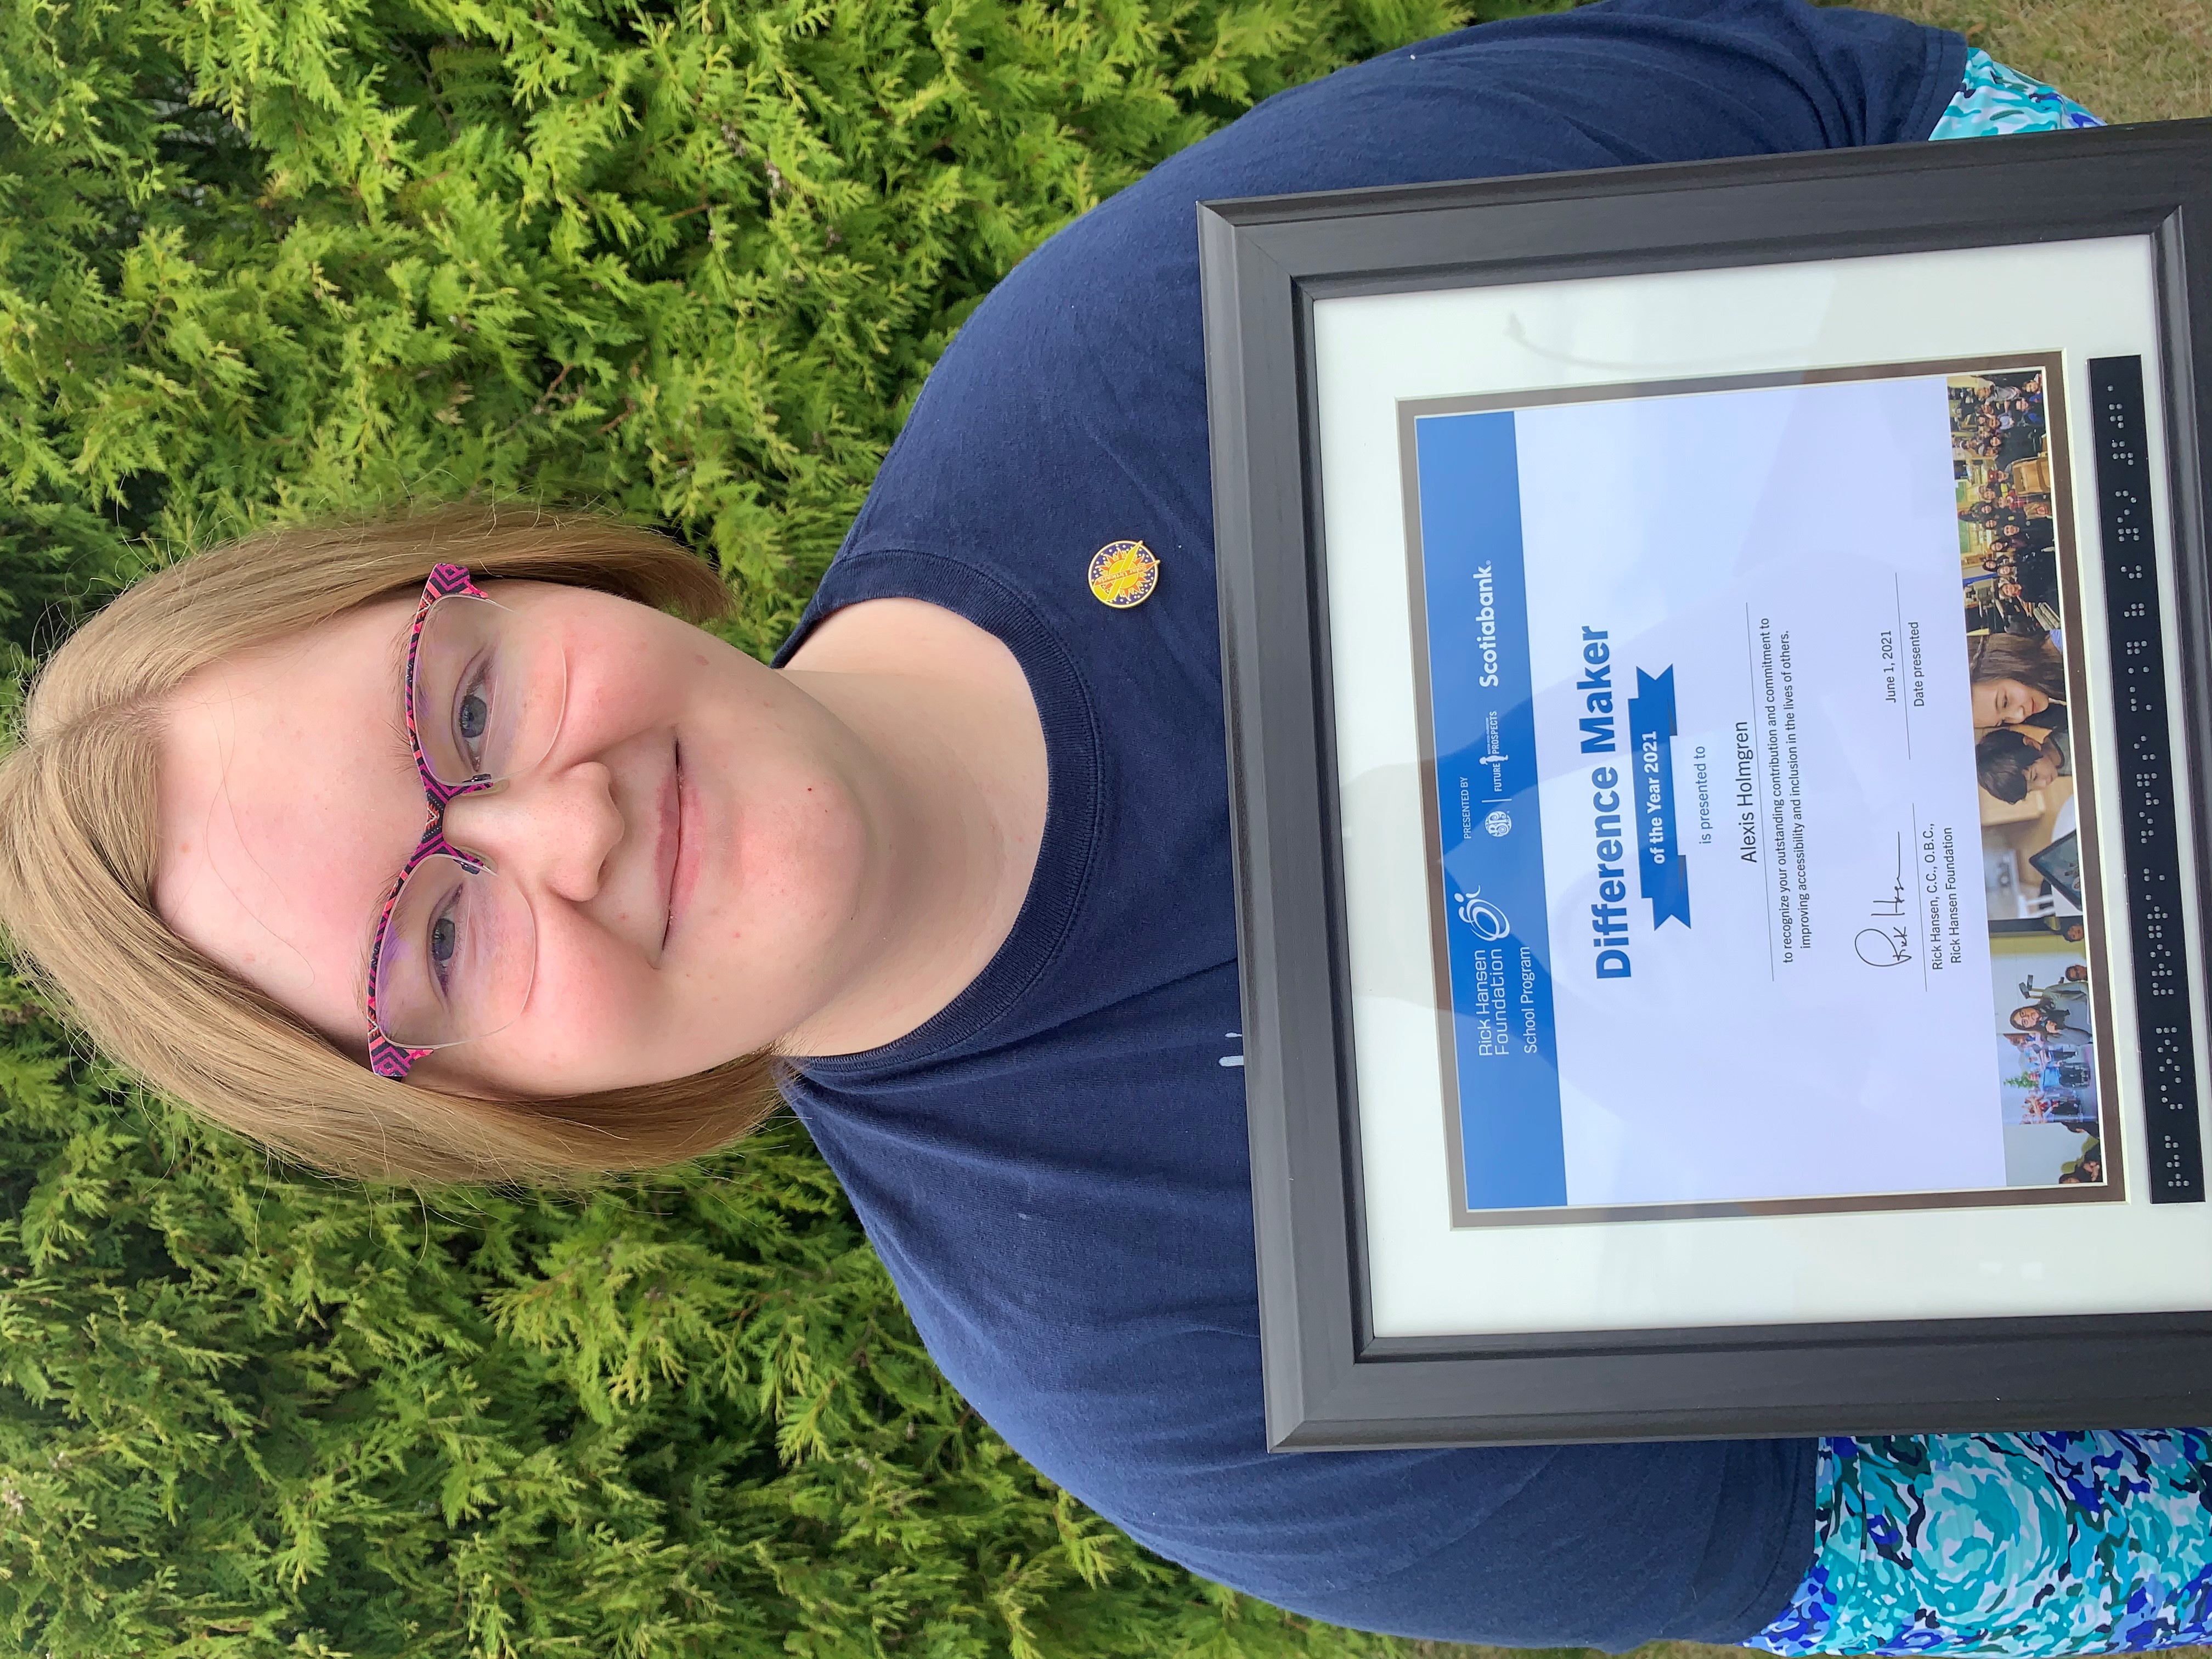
{"x":386,"y":1058}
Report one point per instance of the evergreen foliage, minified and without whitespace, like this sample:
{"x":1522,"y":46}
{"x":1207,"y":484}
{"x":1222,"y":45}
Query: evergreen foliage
{"x":687,"y":260}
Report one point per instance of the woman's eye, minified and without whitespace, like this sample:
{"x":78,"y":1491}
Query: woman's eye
{"x":472,"y":714}
{"x":445,"y":942}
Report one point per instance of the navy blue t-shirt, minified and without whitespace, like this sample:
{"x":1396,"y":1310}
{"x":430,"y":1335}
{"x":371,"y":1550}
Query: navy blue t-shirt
{"x":1054,"y":1169}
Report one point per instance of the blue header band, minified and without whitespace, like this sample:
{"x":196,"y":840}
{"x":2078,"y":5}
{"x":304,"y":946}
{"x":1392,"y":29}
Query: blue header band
{"x":1497,"y":933}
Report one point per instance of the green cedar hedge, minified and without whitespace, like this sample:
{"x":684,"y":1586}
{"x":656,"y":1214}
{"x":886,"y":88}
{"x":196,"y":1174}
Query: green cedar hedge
{"x":270,"y":260}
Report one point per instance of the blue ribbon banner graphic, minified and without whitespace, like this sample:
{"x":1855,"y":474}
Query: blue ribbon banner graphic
{"x":1662,"y":876}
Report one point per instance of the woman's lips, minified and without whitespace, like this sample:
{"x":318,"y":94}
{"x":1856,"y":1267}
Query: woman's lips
{"x":668,"y":853}
{"x":689,"y":840}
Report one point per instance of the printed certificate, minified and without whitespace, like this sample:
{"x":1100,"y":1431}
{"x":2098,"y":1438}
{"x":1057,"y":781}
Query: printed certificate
{"x":1763,"y":872}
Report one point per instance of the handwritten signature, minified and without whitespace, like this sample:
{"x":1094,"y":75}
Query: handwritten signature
{"x":1890,"y":947}
{"x":1883,"y":947}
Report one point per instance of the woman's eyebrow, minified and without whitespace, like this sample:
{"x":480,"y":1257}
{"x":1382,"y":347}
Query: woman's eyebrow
{"x":395,"y":677}
{"x":366,"y":966}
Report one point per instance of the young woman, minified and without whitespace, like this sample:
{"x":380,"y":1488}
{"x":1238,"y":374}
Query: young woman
{"x":2009,"y":762}
{"x":434,"y":849}
{"x":2015,"y":677}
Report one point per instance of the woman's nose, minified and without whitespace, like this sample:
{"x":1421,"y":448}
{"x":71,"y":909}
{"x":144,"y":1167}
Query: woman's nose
{"x":554,"y":828}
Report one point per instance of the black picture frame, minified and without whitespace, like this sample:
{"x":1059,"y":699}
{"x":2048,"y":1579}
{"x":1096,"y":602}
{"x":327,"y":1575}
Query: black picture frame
{"x":1331,"y":1382}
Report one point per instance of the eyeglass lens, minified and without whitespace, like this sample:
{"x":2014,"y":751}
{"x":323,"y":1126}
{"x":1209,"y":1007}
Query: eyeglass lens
{"x":489,"y":691}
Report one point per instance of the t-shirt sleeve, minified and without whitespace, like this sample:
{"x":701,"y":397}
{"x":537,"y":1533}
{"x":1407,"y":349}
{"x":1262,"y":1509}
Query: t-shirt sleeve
{"x":1095,"y":336}
{"x":1613,"y":84}
{"x":1609,"y":1547}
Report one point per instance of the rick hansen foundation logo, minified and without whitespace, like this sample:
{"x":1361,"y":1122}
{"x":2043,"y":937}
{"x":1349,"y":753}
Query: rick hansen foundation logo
{"x":1487,"y":922}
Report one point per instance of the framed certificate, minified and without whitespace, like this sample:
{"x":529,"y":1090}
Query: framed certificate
{"x":1716,"y":659}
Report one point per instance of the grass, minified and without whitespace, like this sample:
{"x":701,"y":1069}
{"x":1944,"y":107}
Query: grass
{"x":2127,"y":60}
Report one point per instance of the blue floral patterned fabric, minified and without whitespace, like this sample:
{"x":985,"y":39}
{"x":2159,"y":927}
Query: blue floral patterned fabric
{"x":1993,"y":98}
{"x":2020,"y":1544}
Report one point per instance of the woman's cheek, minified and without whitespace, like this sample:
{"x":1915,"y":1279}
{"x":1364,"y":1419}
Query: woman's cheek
{"x":590,"y":1025}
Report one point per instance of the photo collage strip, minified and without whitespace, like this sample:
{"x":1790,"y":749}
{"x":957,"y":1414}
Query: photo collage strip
{"x":2044,"y":1027}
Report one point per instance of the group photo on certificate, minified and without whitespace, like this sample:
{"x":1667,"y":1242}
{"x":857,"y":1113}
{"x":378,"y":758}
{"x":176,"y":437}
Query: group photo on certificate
{"x":2024,"y":762}
{"x":1749,"y":706}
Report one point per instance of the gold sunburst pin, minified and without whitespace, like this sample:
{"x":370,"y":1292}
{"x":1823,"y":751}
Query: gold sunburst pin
{"x":1123,"y":573}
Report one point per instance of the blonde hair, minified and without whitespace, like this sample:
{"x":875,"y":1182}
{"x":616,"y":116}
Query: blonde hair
{"x":78,"y":847}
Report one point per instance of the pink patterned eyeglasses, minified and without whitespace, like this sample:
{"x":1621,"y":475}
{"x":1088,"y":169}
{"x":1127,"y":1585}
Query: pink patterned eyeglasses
{"x":455,"y":947}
